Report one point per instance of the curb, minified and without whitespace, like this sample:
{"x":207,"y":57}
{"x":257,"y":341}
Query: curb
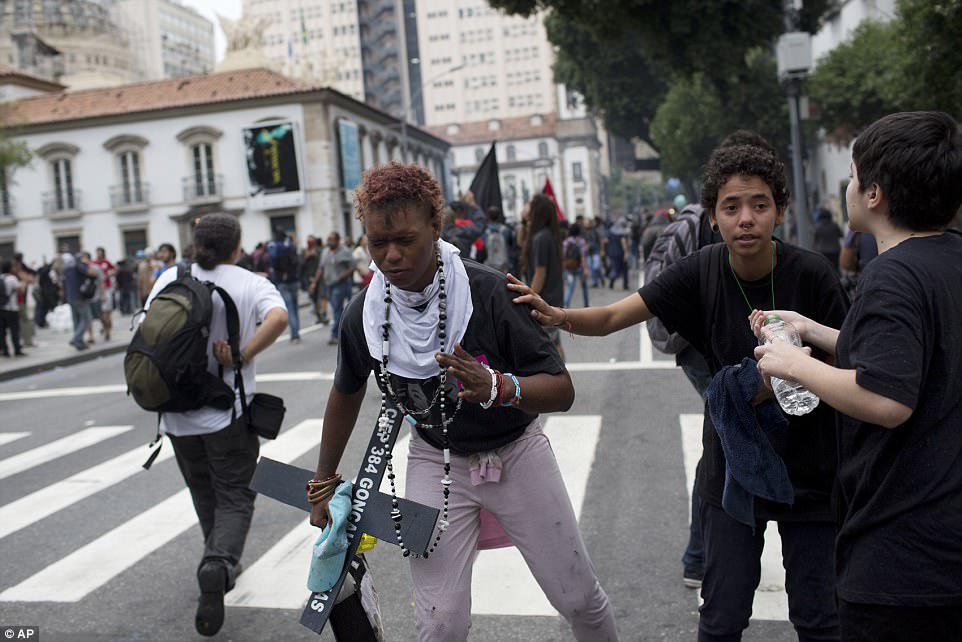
{"x":80,"y":357}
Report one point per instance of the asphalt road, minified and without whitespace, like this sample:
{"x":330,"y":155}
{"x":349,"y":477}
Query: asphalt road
{"x":116,"y":561}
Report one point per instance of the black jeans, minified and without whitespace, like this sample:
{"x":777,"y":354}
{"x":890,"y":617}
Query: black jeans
{"x":882,"y":623}
{"x":733,"y":570}
{"x":9,"y":320}
{"x":218,"y":468}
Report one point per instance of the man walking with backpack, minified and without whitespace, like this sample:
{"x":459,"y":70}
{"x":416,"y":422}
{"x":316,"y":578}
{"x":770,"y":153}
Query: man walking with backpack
{"x":286,"y":276}
{"x":79,"y":286}
{"x":215,"y":448}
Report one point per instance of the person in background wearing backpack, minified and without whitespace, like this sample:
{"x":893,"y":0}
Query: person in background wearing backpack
{"x":76,"y":287}
{"x":10,"y":289}
{"x":215,"y":449}
{"x":574,"y":253}
{"x":497,"y":241}
{"x":285,"y":274}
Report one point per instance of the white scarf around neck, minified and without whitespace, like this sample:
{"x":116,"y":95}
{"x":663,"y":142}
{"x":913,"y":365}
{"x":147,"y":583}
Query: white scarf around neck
{"x":414,"y":334}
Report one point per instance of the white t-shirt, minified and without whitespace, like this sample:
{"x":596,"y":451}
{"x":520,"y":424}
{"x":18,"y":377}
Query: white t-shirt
{"x":254,"y":297}
{"x":11,"y":283}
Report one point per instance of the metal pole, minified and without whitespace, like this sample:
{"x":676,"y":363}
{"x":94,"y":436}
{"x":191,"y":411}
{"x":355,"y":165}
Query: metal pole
{"x":803,"y":220}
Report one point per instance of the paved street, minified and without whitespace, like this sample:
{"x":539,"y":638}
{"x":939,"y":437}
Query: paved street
{"x":94,"y":548}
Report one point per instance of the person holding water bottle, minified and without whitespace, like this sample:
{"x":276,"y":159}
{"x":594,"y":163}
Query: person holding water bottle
{"x":705,"y":298}
{"x":897,"y":387}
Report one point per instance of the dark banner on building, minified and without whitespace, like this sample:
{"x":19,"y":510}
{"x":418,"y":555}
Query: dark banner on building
{"x":271,"y":159}
{"x":350,"y":154}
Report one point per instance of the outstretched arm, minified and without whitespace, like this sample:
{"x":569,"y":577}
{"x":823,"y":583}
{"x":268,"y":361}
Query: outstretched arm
{"x":599,"y":321}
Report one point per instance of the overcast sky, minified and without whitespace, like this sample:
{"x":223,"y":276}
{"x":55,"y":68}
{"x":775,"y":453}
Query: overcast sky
{"x":226,"y":8}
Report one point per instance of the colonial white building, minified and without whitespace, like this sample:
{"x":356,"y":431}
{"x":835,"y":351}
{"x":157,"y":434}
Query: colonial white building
{"x":134,"y":166}
{"x":829,"y":168}
{"x":531,"y":150}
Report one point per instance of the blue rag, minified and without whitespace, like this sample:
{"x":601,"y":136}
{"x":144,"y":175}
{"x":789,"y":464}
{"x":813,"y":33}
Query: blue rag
{"x":752,"y":467}
{"x":327,"y":558}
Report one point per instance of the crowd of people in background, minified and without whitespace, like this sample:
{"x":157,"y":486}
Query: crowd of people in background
{"x":557,"y":257}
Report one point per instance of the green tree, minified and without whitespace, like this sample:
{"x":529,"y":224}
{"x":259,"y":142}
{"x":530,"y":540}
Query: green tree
{"x":859,"y":81}
{"x":13,"y":154}
{"x":614,"y":77}
{"x":931,"y":34}
{"x":628,"y":193}
{"x":694,"y":117}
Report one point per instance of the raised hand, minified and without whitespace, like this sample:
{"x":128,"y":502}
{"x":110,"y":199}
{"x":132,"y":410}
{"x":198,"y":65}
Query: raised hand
{"x":475,"y":379}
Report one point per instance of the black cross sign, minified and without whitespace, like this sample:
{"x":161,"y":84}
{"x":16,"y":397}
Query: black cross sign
{"x":370,"y":509}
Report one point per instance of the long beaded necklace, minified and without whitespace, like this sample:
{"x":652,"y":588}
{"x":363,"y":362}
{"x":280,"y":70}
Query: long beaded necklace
{"x":438,"y":399}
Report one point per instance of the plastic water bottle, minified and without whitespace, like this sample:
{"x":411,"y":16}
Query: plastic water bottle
{"x":794,"y":398}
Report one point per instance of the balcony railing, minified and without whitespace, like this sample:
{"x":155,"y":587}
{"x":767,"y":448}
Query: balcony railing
{"x":203,"y":188}
{"x":130,"y":196}
{"x":62,"y":202}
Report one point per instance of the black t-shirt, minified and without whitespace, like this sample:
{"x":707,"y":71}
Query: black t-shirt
{"x":545,"y":254}
{"x":716,"y":324}
{"x":500,"y":332}
{"x":900,"y":489}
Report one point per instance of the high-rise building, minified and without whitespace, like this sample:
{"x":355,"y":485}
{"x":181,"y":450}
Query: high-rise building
{"x":172,"y":39}
{"x":72,"y":42}
{"x":505,"y":63}
{"x":316,"y":41}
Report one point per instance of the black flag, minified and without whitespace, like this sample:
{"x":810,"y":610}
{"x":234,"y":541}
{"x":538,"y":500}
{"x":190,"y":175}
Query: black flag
{"x":486,"y":186}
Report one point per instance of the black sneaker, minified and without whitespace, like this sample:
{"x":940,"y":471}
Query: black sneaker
{"x":693,"y":578}
{"x":212,"y":578}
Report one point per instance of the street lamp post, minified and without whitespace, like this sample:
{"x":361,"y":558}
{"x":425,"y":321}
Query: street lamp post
{"x":416,"y":94}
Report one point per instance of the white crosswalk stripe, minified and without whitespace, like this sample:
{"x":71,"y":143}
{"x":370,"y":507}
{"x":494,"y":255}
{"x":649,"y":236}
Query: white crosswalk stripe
{"x":7,"y":437}
{"x":55,"y":497}
{"x":771,"y":601}
{"x":278,"y":579}
{"x":59,"y":448}
{"x":88,"y":568}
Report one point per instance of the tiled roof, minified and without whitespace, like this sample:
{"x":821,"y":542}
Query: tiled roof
{"x":508,"y":129}
{"x":150,"y":96}
{"x":9,"y":72}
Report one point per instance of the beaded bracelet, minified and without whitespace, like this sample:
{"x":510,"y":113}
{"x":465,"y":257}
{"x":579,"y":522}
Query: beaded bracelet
{"x":494,"y":388}
{"x":516,"y":399}
{"x":565,"y":323}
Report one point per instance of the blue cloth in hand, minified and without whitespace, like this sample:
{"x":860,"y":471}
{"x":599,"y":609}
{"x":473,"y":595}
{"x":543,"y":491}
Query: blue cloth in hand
{"x":327,"y":557}
{"x":752,"y":467}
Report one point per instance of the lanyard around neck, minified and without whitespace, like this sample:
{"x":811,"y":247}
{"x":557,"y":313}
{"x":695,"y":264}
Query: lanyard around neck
{"x":738,"y":281}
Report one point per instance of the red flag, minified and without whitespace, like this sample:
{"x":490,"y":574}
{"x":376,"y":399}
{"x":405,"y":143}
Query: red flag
{"x":549,"y":192}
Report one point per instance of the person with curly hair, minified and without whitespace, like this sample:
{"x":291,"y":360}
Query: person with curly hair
{"x":706,"y":298}
{"x":472,"y":372}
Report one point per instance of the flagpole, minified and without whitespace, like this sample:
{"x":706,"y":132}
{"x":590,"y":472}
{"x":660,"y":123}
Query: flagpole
{"x":404,"y":108}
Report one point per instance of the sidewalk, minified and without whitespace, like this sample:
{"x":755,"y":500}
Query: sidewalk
{"x":52,"y":350}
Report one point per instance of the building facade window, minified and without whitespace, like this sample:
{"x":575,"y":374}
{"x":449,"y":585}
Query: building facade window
{"x":478,"y":154}
{"x":576,"y":171}
{"x":131,"y":187}
{"x":203,"y":155}
{"x":63,"y":193}
{"x":542,"y":150}
{"x":512,"y":154}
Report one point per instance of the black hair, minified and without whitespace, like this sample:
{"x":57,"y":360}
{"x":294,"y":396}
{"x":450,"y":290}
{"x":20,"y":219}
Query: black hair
{"x":335,"y":234}
{"x":744,"y":160}
{"x":215,"y":239}
{"x":460,"y":209}
{"x":746,"y":137}
{"x":574,"y":229}
{"x":916,"y":159}
{"x":169,"y":248}
{"x":542,"y":215}
{"x":494,"y":214}
{"x":6,"y":266}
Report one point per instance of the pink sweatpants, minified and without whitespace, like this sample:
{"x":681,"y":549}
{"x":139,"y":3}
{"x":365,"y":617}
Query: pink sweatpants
{"x":532,"y":505}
